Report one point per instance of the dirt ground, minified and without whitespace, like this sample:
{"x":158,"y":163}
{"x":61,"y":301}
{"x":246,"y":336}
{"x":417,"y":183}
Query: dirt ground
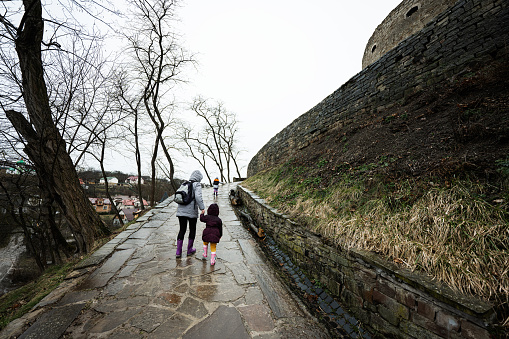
{"x":452,"y":129}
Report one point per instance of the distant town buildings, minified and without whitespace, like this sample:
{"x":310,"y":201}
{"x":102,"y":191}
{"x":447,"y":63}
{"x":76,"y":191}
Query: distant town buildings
{"x":111,"y":180}
{"x":101,"y":205}
{"x":134,"y":180}
{"x":15,"y":168}
{"x":129,"y":207}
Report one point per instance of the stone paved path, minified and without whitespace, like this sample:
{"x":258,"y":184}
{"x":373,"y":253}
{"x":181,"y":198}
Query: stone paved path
{"x":134,"y":287}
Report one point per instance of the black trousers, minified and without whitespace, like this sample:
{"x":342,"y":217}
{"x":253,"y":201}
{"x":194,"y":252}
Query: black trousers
{"x":183,"y":227}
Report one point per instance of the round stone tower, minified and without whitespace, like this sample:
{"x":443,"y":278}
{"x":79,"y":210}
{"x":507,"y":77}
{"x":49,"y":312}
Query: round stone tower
{"x":409,"y":17}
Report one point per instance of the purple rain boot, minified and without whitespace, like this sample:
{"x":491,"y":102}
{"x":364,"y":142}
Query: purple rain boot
{"x":179,"y":248}
{"x":190,"y":249}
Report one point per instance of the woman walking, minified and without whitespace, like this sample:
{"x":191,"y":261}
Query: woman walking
{"x":189,"y":213}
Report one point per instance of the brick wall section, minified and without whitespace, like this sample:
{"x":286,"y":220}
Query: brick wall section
{"x":470,"y":31}
{"x":394,"y":302}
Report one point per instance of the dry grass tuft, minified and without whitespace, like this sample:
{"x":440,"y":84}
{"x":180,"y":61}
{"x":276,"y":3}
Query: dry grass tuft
{"x":449,"y":233}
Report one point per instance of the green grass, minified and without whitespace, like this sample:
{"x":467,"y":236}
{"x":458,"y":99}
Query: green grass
{"x":16,"y":303}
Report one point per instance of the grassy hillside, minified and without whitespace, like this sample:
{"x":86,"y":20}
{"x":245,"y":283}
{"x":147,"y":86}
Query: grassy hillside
{"x":424,"y":183}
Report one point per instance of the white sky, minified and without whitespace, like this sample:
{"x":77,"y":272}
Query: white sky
{"x":270,"y":61}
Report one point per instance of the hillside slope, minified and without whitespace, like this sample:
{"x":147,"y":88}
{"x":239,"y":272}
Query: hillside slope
{"x":424,"y":183}
{"x":457,"y":128}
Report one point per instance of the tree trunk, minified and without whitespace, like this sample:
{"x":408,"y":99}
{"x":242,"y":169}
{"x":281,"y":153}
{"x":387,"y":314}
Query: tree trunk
{"x":138,"y":160}
{"x":49,"y":216}
{"x":106,"y":185}
{"x":44,"y":145}
{"x":172,"y":168}
{"x":153,"y":166}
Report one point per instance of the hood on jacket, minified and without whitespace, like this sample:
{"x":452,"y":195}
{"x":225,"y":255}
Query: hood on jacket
{"x":213,"y":210}
{"x":196,"y":176}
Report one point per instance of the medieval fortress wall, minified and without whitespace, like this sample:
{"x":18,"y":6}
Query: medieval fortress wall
{"x":408,"y":18}
{"x":466,"y":31}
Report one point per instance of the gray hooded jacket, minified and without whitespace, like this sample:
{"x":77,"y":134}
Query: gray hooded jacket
{"x":190,"y":210}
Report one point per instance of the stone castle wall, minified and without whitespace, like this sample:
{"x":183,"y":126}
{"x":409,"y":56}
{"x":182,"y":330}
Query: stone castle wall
{"x":469,"y":31}
{"x":390,"y":301}
{"x":408,"y":18}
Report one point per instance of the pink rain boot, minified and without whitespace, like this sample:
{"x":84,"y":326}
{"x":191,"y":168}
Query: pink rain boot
{"x":205,"y":247}
{"x":212,"y":258}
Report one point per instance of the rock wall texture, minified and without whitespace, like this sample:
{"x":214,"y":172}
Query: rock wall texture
{"x":390,"y":301}
{"x":408,"y":18}
{"x":471,"y":31}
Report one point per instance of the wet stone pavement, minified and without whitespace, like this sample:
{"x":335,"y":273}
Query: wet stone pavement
{"x":134,"y":287}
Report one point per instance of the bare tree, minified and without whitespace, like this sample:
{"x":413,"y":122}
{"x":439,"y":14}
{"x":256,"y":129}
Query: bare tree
{"x":158,"y":62}
{"x":30,"y":209}
{"x":197,"y":148}
{"x":227,"y":130}
{"x":110,"y":132}
{"x":131,"y":104}
{"x":217,"y":140}
{"x":43,"y":141}
{"x":102,"y":144}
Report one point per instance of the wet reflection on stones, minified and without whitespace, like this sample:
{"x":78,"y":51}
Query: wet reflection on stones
{"x":193,"y":308}
{"x":142,"y":260}
{"x":165,"y":255}
{"x":76,"y":296}
{"x":169,"y":281}
{"x":201,"y":279}
{"x":222,"y":292}
{"x":185,"y":261}
{"x":257,"y":317}
{"x":230,"y":255}
{"x":171,"y":298}
{"x":142,"y":233}
{"x":112,"y":305}
{"x":142,"y":273}
{"x":150,"y":318}
{"x":127,"y":271}
{"x":113,"y":320}
{"x":172,"y":328}
{"x":150,"y":288}
{"x":132,"y":244}
{"x":200,"y":267}
{"x":184,"y":288}
{"x":254,"y":295}
{"x":137,"y":301}
{"x":159,"y":238}
{"x":115,"y":287}
{"x":242,"y":273}
{"x":124,"y":334}
{"x":127,"y":291}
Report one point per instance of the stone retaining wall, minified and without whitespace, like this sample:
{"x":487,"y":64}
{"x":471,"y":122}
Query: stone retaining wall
{"x":393,"y":302}
{"x":470,"y":32}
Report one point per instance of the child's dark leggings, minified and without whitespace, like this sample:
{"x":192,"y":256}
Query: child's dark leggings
{"x":183,"y":227}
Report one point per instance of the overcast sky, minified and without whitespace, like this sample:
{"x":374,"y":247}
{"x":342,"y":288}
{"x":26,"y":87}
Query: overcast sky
{"x":270,"y":61}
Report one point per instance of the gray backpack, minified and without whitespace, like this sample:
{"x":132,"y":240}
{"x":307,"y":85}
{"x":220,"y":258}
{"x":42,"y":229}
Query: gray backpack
{"x":185,"y":193}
